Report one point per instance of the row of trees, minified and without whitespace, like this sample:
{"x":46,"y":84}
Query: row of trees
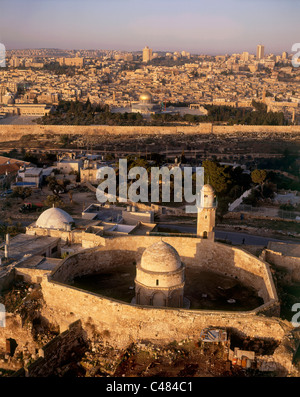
{"x":79,"y":113}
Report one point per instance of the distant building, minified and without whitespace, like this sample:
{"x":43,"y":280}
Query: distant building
{"x":29,"y":177}
{"x":145,"y":105}
{"x":78,"y":62}
{"x":245,"y":56}
{"x":67,"y":165}
{"x":147,"y":54}
{"x":260,"y":52}
{"x":26,"y":109}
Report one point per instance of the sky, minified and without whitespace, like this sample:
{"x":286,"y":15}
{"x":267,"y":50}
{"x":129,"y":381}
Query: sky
{"x":200,"y":27}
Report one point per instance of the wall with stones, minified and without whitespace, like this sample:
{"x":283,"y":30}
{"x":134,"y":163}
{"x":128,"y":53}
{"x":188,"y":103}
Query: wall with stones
{"x":58,"y":350}
{"x":124,"y":323}
{"x":218,"y":257}
{"x":15,"y":329}
{"x":7,"y":277}
{"x":15,"y":132}
{"x":74,"y":236}
{"x":289,"y":263}
{"x":29,"y":275}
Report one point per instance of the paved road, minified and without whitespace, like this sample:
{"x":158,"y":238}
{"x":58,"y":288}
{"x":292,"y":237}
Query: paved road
{"x":234,"y":237}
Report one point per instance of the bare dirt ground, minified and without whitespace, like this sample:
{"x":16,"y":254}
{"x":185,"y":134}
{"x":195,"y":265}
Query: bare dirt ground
{"x":9,"y":206}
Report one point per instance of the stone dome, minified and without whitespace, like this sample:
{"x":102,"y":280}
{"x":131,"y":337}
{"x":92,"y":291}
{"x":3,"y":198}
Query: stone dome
{"x":54,"y":218}
{"x":145,"y":97}
{"x":161,"y":258}
{"x":208,"y":189}
{"x":207,"y":197}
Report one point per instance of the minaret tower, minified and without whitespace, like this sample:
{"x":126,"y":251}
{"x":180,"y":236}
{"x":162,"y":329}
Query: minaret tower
{"x":206,"y":218}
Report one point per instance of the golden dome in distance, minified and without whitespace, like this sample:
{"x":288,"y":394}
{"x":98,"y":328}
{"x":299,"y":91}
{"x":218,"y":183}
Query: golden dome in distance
{"x":145,"y":97}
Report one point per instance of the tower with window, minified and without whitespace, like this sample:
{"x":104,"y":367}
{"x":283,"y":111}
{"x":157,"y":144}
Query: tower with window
{"x":206,"y":217}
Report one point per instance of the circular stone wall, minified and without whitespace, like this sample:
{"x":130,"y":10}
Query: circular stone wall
{"x":194,"y":252}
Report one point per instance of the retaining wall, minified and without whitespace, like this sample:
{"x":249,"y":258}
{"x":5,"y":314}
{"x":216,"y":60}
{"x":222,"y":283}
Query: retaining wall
{"x":15,"y":132}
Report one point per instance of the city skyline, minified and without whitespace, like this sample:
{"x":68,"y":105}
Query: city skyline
{"x":193,"y":26}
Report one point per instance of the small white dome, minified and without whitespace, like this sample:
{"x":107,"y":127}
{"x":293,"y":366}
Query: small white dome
{"x":54,"y":218}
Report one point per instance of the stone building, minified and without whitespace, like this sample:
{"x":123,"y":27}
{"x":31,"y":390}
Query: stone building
{"x":145,"y":105}
{"x":160,"y":277}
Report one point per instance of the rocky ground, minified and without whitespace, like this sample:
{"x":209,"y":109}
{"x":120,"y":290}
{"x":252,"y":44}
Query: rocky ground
{"x":185,"y":359}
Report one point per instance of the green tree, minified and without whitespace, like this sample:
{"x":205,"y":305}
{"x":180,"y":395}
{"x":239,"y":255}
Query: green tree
{"x":258,"y":176}
{"x":22,"y":192}
{"x":54,"y":186}
{"x":216,"y":175}
{"x":53,"y":201}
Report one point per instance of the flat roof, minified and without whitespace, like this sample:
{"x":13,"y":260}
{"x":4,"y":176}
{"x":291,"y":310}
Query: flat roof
{"x":25,"y":244}
{"x":39,"y":262}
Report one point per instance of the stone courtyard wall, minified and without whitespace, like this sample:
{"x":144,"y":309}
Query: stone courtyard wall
{"x":195,"y":252}
{"x":290,"y":263}
{"x":125,"y":323}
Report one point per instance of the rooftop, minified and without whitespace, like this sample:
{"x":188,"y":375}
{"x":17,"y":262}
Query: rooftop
{"x":24,"y":245}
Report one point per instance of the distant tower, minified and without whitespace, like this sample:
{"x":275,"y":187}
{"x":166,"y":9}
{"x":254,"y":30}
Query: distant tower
{"x":245,"y":56}
{"x":260,"y":52}
{"x":293,"y":116}
{"x":147,"y":54}
{"x":206,"y":218}
{"x":264,"y":95}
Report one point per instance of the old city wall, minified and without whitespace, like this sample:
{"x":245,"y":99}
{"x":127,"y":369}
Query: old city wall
{"x":15,"y":132}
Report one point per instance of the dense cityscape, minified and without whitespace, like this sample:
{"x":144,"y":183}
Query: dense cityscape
{"x":116,"y":79}
{"x":149,"y":204}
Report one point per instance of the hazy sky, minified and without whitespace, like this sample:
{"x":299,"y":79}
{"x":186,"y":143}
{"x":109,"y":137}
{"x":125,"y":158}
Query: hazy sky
{"x":210,"y":26}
